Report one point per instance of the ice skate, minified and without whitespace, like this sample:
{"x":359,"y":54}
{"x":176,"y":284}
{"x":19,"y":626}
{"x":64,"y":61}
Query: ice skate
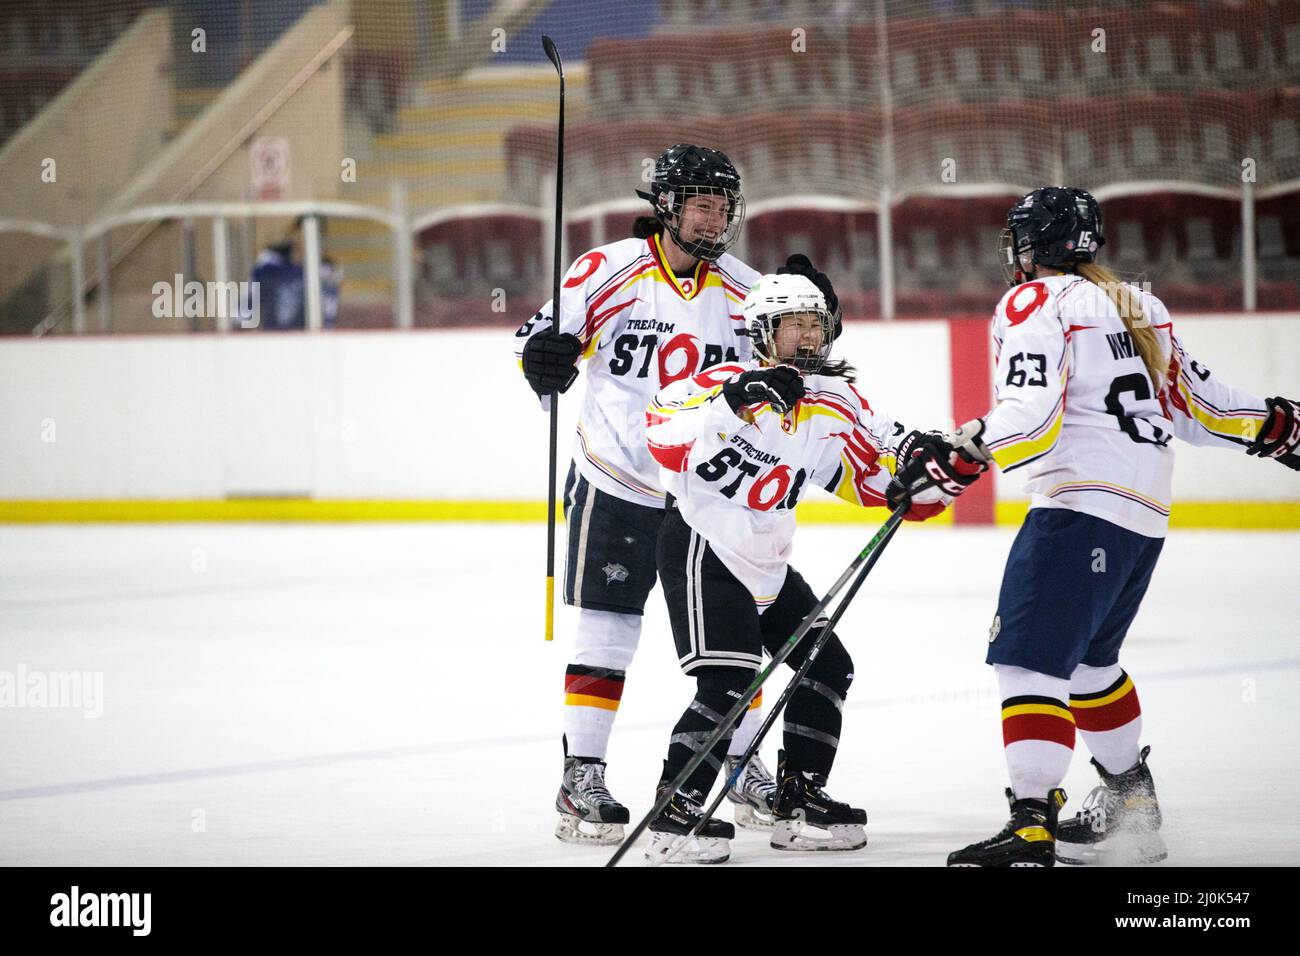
{"x":753,"y":794}
{"x":1027,"y":840}
{"x":1119,"y":824}
{"x":588,"y":813}
{"x":806,"y":818}
{"x":669,"y":831}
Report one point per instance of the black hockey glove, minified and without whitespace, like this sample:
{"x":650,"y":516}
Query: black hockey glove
{"x":800,"y":265}
{"x":781,"y":387}
{"x":927,"y":460}
{"x":1280,"y":434}
{"x":550,"y":361}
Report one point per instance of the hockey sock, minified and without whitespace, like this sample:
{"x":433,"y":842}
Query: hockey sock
{"x":1106,"y":709}
{"x":603,"y":646}
{"x":591,"y":698}
{"x":815,"y":713}
{"x":716,"y":691}
{"x":1037,"y":730}
{"x":747,"y":727}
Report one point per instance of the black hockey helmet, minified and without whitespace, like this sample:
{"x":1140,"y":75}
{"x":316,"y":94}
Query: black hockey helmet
{"x":1053,"y":226}
{"x":684,"y":171}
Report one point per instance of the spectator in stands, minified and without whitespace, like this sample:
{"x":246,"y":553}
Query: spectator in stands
{"x":282,"y":290}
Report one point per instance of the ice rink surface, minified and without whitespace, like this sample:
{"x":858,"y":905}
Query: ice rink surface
{"x":366,"y":694}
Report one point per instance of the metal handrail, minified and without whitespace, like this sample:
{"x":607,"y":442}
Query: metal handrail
{"x":405,"y":229}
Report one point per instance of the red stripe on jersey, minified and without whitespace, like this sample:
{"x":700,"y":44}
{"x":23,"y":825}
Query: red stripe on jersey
{"x":861,"y":451}
{"x":599,"y":322}
{"x":601,"y":299}
{"x":593,"y":686}
{"x":816,"y":398}
{"x":1057,"y":730}
{"x":862,"y":400}
{"x":699,"y":279}
{"x":672,"y":457}
{"x":617,"y":277}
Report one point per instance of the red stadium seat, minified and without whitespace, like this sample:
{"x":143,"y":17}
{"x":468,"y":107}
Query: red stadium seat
{"x":991,"y":143}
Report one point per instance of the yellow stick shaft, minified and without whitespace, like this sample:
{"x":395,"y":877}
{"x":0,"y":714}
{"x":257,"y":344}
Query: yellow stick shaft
{"x":550,"y":607}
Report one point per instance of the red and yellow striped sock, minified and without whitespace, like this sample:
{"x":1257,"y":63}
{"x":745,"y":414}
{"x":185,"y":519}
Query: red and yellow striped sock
{"x":1038,"y":737}
{"x":591,"y":699}
{"x":1110,"y":721}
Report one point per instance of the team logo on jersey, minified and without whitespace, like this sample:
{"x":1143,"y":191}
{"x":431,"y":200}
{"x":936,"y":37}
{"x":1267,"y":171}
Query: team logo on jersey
{"x":1018,"y":309}
{"x":614,"y":573}
{"x":996,"y":629}
{"x":583,"y":269}
{"x":687,"y":286}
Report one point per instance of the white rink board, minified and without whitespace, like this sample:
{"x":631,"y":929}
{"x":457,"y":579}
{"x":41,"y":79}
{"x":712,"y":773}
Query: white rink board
{"x":437,"y":415}
{"x":320,"y":694}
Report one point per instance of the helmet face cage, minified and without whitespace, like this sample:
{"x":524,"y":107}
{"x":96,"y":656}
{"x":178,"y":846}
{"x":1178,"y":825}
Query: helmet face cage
{"x":670,"y":203}
{"x":762,"y":333}
{"x":1015,"y":258}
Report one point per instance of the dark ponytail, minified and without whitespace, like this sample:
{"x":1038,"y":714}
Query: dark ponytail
{"x":839,"y":369}
{"x":643,"y":227}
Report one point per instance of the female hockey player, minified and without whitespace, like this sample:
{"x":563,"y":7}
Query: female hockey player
{"x":644,"y":311}
{"x":737,"y":445}
{"x":1092,"y":383}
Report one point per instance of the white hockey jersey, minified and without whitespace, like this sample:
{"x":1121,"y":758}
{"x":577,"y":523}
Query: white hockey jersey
{"x":641,"y":328}
{"x":736,"y":481}
{"x":1077,"y":408}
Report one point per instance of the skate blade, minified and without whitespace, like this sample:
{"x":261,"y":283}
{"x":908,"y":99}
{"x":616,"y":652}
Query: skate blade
{"x":751,"y":818}
{"x":795,"y":835}
{"x":1121,"y":850}
{"x":579,"y":832}
{"x":675,"y":848}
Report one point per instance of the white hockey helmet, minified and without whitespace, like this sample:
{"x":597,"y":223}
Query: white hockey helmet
{"x":774,"y":296}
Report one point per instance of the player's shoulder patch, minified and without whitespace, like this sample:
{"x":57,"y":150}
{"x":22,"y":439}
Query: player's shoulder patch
{"x":1024,"y":300}
{"x":603,"y":261}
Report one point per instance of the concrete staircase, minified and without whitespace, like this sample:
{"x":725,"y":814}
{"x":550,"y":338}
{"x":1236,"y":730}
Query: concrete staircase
{"x":448,"y":149}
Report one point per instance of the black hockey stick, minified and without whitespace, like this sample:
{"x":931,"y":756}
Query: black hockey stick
{"x":874,"y":546}
{"x":549,"y":46}
{"x":786,"y":694}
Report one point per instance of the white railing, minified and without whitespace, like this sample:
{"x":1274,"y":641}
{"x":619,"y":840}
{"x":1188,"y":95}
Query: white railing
{"x":404,"y":229}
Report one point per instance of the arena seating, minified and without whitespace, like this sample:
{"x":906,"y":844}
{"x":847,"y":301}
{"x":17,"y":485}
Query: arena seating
{"x":1166,"y":94}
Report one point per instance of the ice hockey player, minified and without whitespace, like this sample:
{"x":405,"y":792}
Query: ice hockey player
{"x":1092,"y":383}
{"x":644,"y":312}
{"x":737,"y":446}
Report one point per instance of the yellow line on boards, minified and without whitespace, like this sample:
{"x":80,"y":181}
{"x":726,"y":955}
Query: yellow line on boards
{"x":268,"y":509}
{"x":1265,"y":515}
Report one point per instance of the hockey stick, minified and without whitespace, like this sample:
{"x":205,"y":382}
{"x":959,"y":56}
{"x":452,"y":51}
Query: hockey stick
{"x":875,"y":545}
{"x":549,"y":46}
{"x":786,"y":694}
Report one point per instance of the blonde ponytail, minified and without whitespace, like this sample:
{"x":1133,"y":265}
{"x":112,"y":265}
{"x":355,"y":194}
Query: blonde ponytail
{"x":1125,"y":299}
